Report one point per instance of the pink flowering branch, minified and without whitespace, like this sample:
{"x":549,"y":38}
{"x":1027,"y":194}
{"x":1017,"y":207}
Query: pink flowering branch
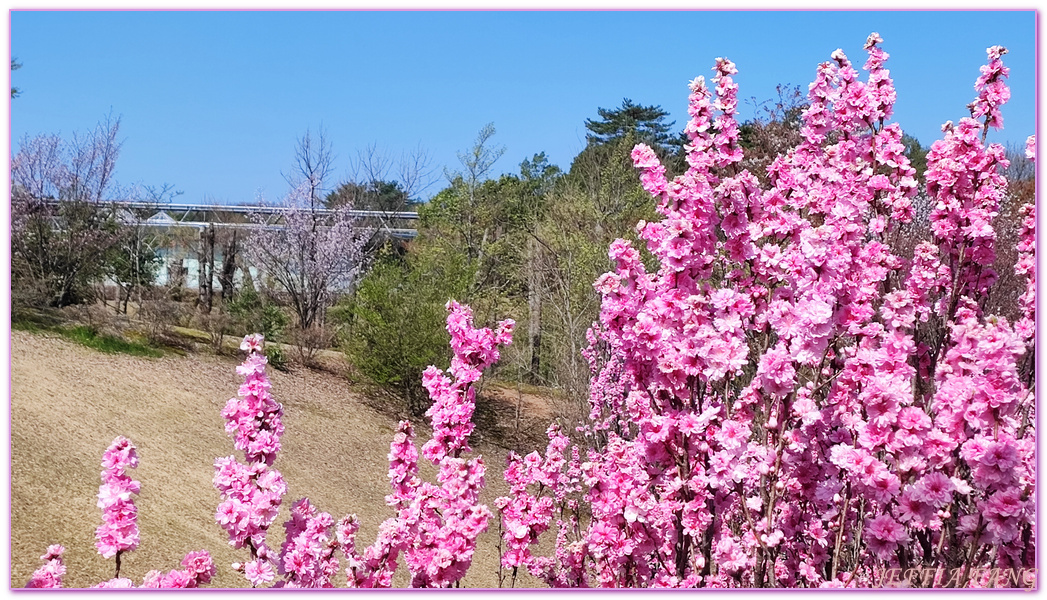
{"x":118,"y":532}
{"x":437,"y":526}
{"x":198,"y":570}
{"x":307,"y":557}
{"x":251,"y":493}
{"x":49,"y":575}
{"x":992,"y":90}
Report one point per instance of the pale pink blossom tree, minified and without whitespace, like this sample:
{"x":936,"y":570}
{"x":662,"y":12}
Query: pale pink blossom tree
{"x":61,"y":227}
{"x":312,"y":253}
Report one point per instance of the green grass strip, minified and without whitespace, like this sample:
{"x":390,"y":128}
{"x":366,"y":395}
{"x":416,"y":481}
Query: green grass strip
{"x":85,"y":336}
{"x":106,"y":343}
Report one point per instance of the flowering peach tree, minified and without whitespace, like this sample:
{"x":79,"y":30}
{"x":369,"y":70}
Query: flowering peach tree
{"x":788,"y":401}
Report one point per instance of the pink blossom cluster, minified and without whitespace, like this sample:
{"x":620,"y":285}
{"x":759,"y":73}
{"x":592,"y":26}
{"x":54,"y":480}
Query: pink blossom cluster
{"x":966,"y":184}
{"x":436,"y":526}
{"x":49,"y":575}
{"x":1026,"y":264}
{"x":992,"y":89}
{"x":198,"y":570}
{"x":251,"y":493}
{"x":790,"y":399}
{"x":251,"y":499}
{"x":526,"y":516}
{"x":308,"y":557}
{"x":119,"y":529}
{"x":254,"y":418}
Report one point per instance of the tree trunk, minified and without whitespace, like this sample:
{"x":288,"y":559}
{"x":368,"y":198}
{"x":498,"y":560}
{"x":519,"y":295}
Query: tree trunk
{"x":534,"y":311}
{"x":225,"y":278}
{"x":206,"y":272}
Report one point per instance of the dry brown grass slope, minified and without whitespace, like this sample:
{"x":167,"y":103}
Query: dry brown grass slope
{"x":69,"y":402}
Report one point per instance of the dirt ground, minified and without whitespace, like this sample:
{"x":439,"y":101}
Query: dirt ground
{"x":68,"y":402}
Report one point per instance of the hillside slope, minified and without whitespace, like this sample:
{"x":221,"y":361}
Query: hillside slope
{"x":69,"y":402}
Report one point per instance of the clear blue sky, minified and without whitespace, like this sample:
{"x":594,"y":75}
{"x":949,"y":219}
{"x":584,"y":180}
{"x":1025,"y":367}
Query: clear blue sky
{"x":214,"y":101}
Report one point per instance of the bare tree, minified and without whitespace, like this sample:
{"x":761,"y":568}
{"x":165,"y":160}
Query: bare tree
{"x":206,"y":277}
{"x":162,"y":194}
{"x":371,"y":165}
{"x":416,"y":171}
{"x":92,"y":160}
{"x":378,"y":181}
{"x":313,"y":163}
{"x":230,"y":248}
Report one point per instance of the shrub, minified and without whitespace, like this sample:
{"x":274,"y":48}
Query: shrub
{"x":276,"y":357}
{"x":161,"y":312}
{"x":311,"y":341}
{"x":394,"y":321}
{"x":252,"y":312}
{"x":216,"y":323}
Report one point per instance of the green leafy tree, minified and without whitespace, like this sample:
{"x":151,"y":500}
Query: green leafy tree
{"x":917,"y":154}
{"x":134,"y":261}
{"x":605,"y":175}
{"x":395,"y":320}
{"x":253,"y":312}
{"x":467,"y":249}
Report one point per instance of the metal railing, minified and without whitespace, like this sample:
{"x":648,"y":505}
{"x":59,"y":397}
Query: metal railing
{"x":246,"y":209}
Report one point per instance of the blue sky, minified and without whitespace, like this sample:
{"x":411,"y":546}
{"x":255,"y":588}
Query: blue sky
{"x":213,"y":102}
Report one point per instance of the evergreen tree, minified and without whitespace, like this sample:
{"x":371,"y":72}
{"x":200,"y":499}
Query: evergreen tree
{"x":646,"y":123}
